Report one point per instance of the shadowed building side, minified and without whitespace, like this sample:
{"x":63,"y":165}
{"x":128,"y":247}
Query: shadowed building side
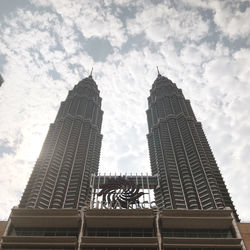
{"x":1,"y":80}
{"x":2,"y":227}
{"x":180,"y":154}
{"x":70,"y":153}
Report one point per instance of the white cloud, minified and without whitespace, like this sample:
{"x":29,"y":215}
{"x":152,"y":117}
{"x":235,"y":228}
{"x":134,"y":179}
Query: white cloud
{"x":230,"y":19}
{"x":163,"y":21}
{"x":227,"y":15}
{"x":92,"y":19}
{"x":242,"y":60}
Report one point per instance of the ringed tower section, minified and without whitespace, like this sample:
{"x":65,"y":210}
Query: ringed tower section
{"x":70,"y":153}
{"x":180,"y":154}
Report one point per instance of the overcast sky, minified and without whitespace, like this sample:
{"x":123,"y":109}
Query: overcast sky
{"x":47,"y":46}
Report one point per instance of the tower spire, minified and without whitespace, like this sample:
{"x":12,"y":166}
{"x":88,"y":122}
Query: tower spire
{"x":158,"y":71}
{"x":90,"y":75}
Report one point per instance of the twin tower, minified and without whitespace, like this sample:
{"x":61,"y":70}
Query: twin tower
{"x":65,"y":173}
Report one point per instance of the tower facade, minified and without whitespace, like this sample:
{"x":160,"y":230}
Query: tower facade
{"x":70,"y":153}
{"x":180,"y":154}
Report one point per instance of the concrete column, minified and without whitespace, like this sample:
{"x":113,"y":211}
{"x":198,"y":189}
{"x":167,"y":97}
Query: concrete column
{"x":158,"y":230}
{"x":81,"y":229}
{"x":237,"y":232}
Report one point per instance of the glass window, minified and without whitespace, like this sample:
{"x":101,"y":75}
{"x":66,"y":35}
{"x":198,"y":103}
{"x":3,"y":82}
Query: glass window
{"x":198,"y":233}
{"x":120,"y":232}
{"x":113,"y":233}
{"x":125,"y":233}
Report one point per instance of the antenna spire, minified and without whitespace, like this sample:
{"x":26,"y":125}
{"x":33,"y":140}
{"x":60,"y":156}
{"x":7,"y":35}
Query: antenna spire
{"x":91,"y":72}
{"x":158,"y":71}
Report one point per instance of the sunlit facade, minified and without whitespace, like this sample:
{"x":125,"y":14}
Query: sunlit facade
{"x":70,"y":153}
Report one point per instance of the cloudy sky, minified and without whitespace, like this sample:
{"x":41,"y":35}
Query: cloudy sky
{"x":47,"y":46}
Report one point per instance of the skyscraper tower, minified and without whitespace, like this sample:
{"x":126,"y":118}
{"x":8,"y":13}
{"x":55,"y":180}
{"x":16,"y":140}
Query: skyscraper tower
{"x":180,"y":154}
{"x":70,"y":153}
{"x":67,"y":206}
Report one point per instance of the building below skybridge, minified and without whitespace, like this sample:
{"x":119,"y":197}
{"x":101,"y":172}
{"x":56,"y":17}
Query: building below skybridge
{"x":122,"y":229}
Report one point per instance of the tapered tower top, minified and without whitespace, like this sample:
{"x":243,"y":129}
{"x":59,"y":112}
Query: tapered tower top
{"x":163,"y":85}
{"x":88,"y":81}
